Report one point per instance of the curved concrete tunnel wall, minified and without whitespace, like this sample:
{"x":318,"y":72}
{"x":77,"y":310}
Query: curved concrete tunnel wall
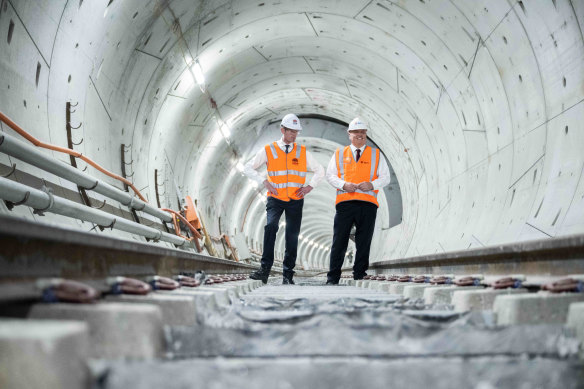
{"x":477,"y":105}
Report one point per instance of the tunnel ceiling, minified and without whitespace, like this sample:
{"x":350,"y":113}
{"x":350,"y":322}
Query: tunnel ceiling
{"x":477,"y":105}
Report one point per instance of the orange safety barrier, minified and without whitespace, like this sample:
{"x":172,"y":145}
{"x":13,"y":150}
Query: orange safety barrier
{"x":65,"y":150}
{"x":196,"y":233}
{"x":191,"y":213}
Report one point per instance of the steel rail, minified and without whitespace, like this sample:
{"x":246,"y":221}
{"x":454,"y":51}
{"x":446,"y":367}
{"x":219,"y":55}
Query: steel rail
{"x":31,"y":250}
{"x":538,"y":258}
{"x":32,"y":155}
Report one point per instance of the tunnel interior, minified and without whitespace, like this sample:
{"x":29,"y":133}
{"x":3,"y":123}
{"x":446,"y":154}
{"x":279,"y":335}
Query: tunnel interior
{"x":476,"y":105}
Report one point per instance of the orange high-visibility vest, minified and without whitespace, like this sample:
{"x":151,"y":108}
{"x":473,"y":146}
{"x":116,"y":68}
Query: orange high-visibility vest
{"x":286,"y":172}
{"x":357,"y":172}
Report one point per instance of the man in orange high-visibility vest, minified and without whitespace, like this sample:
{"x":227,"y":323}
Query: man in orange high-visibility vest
{"x":357,"y":172}
{"x":287,"y":165}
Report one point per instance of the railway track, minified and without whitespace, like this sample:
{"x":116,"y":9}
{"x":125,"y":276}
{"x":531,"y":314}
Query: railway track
{"x":490,"y":318}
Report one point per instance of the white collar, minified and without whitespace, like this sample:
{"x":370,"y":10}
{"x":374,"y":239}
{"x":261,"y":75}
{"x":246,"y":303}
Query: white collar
{"x":353,"y":148}
{"x":281,"y":143}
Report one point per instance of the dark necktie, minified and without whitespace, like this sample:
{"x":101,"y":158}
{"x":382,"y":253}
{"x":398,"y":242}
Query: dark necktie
{"x":358,"y":154}
{"x":286,"y":146}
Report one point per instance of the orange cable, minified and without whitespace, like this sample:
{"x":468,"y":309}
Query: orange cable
{"x":181,"y":217}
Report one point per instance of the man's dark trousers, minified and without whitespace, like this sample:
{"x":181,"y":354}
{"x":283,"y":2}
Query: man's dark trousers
{"x":362,"y":214}
{"x":274,"y":209}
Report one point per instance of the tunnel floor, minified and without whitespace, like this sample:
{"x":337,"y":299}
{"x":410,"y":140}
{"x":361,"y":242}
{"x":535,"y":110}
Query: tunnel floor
{"x":312,"y":335}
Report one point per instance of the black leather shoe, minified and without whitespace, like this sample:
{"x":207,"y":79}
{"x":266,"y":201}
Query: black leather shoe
{"x":260,"y":274}
{"x":329,"y":282}
{"x":287,"y":281}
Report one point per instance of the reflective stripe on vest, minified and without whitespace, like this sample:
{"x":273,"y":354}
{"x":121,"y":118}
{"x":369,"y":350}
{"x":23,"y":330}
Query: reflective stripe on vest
{"x":352,"y":171}
{"x":286,"y":172}
{"x":287,"y":185}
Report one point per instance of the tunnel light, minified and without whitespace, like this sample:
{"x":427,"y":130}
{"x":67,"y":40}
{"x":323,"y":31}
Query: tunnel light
{"x":186,"y":82}
{"x":198,"y":72}
{"x":216,"y":139}
{"x":301,"y":236}
{"x":224,"y":129}
{"x":239,"y":167}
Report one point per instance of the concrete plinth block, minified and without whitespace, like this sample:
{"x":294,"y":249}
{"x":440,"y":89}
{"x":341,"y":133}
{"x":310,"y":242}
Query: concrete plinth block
{"x":359,"y":283}
{"x":373,"y":284}
{"x":245,"y":287}
{"x":116,"y":330}
{"x":204,"y":300}
{"x":241,"y":289}
{"x":176,"y":310}
{"x":576,"y":321}
{"x":351,"y":282}
{"x":232,"y":290}
{"x":386,"y":286}
{"x":417,"y":291}
{"x":443,"y":294}
{"x":365,"y":284}
{"x":541,"y":307}
{"x":225,"y":294}
{"x":221,"y":297}
{"x":43,"y":354}
{"x":480,"y":300}
{"x":398,"y":287}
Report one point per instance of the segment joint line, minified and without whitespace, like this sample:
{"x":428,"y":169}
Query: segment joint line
{"x":100,"y":99}
{"x":534,"y":227}
{"x":28,"y":33}
{"x":526,"y":171}
{"x":311,"y":25}
{"x":260,"y":53}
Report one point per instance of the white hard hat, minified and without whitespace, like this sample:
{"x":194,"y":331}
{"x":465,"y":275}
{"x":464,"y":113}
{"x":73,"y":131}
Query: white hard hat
{"x":291,"y":122}
{"x":357,"y":124}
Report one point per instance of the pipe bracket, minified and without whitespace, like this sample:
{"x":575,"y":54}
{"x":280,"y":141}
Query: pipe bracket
{"x":10,"y":204}
{"x":111,"y":226}
{"x":41,"y":211}
{"x":101,"y":206}
{"x":94,"y":185}
{"x":11,"y":172}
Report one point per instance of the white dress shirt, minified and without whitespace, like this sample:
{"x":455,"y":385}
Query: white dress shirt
{"x":261,"y":158}
{"x":332,"y":174}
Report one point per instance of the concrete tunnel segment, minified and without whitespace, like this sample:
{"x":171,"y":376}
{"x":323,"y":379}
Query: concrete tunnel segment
{"x":477,"y":105}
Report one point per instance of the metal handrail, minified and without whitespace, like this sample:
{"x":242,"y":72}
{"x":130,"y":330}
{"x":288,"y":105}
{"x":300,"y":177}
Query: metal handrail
{"x":44,"y":201}
{"x":65,"y":150}
{"x":29,"y":154}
